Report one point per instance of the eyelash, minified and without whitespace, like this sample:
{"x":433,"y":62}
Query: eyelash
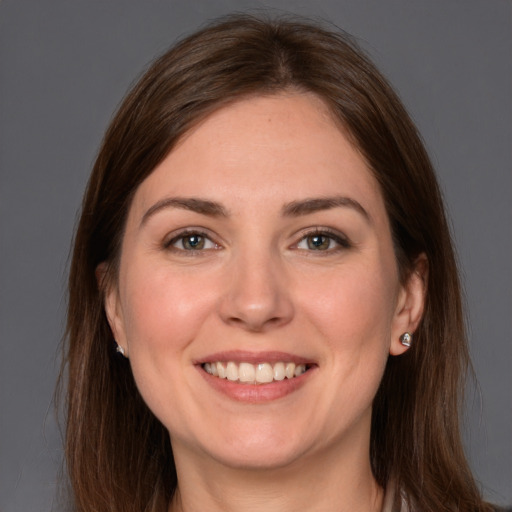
{"x":169,"y":245}
{"x":340,"y":240}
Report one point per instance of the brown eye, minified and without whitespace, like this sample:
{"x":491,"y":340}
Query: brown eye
{"x":323,"y":241}
{"x":191,"y":242}
{"x":319,"y":242}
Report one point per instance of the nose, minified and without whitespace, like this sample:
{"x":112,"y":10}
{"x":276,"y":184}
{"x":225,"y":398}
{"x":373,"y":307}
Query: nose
{"x":258,"y":298}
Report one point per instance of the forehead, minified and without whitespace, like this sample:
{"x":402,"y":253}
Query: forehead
{"x":281,"y":147}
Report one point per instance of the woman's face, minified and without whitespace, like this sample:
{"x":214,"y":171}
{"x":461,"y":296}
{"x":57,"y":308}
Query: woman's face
{"x":260,"y":248}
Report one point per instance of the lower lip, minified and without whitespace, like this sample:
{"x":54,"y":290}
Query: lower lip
{"x":256,"y":393}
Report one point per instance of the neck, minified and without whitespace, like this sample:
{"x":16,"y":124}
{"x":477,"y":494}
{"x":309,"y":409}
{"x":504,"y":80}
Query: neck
{"x":325,"y":481}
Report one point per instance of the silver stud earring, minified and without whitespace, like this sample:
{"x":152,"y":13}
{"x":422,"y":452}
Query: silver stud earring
{"x":406,"y":339}
{"x":120,"y":350}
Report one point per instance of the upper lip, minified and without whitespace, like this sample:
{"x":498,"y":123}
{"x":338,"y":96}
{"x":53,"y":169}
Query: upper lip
{"x":242,"y":356}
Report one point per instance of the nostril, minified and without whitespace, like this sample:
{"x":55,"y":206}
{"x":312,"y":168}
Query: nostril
{"x":257,"y":324}
{"x":256,"y":301}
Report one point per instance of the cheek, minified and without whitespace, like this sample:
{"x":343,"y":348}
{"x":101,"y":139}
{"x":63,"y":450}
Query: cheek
{"x":350,"y":312}
{"x":354,"y":305}
{"x":163,"y":312}
{"x":354,"y":314}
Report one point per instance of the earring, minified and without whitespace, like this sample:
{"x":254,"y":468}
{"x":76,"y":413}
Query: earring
{"x":120,"y":350}
{"x":406,"y":339}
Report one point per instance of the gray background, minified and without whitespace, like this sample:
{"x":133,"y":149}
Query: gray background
{"x":65,"y":66}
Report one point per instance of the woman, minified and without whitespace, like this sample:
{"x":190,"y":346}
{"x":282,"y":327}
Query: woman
{"x":264,"y":305}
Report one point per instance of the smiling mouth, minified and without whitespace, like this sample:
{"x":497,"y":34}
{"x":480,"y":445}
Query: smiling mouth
{"x":261,"y":373}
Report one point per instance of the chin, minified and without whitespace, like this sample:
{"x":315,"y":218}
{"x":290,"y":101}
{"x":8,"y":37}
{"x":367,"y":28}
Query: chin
{"x":267,"y":448}
{"x":259,"y":458}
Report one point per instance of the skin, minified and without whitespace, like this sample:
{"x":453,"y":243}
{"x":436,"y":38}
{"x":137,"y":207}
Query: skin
{"x":259,"y":284}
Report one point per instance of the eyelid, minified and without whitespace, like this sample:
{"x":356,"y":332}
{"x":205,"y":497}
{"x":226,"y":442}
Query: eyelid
{"x":174,"y":236}
{"x":337,"y":236}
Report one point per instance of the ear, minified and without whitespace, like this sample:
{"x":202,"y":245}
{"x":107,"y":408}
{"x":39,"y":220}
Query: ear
{"x":112,"y":306}
{"x":410,"y":305}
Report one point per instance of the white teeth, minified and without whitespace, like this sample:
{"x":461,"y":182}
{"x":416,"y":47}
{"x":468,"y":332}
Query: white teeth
{"x":232,"y":371}
{"x":262,"y":373}
{"x":290,"y":370}
{"x":221,"y":370}
{"x":279,"y":371}
{"x":246,"y":372}
{"x":300,"y":369}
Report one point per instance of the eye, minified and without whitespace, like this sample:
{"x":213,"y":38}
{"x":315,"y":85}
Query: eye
{"x":322,"y":241}
{"x":191,"y":241}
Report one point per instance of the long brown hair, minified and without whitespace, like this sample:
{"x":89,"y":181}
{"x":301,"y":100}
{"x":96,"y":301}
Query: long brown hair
{"x":118,"y":454}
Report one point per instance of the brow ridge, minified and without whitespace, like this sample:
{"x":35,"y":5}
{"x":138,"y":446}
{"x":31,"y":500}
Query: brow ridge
{"x":293,"y":209}
{"x":201,"y":206}
{"x":315,"y":204}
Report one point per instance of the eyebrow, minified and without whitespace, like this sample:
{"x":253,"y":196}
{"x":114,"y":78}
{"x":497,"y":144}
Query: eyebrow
{"x":292,"y":209}
{"x":312,"y":205}
{"x":202,"y":206}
